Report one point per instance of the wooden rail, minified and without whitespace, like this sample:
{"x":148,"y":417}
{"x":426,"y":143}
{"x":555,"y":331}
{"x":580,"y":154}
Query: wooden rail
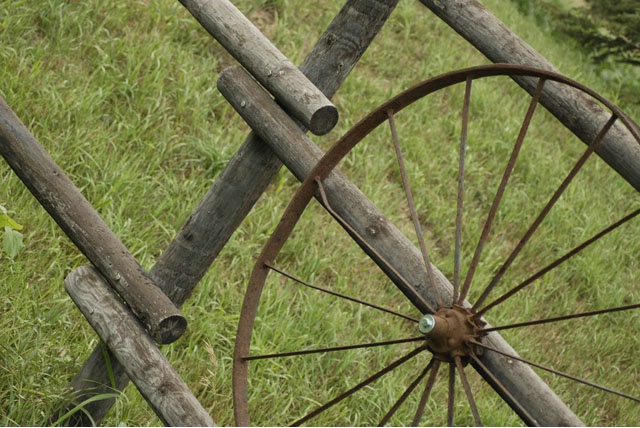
{"x":235,"y":191}
{"x":574,"y":109}
{"x":304,"y":94}
{"x":82,"y":224}
{"x":144,"y":363}
{"x":300,"y":155}
{"x":299,"y":96}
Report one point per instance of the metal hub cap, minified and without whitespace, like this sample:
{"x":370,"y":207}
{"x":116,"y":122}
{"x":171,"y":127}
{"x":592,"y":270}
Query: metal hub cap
{"x":450,"y":332}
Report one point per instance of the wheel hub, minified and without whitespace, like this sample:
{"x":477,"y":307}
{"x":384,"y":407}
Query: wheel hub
{"x":450,"y":332}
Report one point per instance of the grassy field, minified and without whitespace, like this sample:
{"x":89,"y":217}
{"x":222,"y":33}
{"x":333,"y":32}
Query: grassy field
{"x":123,"y":97}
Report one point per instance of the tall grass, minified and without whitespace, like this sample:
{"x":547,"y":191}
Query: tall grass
{"x":123,"y":97}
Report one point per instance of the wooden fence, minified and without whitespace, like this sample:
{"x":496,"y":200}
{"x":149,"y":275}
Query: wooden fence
{"x":151,"y":315}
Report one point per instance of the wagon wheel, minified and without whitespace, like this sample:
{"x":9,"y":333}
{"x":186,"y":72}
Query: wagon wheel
{"x":418,"y":346}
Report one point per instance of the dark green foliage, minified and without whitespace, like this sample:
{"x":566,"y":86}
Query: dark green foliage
{"x":607,"y":32}
{"x":609,"y":29}
{"x":606,"y":29}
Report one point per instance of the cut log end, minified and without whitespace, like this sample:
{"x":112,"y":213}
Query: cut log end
{"x":170,"y":329}
{"x":324,"y":120}
{"x":314,"y":111}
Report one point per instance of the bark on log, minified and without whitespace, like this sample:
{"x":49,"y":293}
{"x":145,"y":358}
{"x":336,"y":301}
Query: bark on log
{"x":82,"y":224}
{"x":577,"y":112}
{"x":146,"y":366}
{"x":296,"y":150}
{"x":236,"y":190}
{"x":266,"y":63}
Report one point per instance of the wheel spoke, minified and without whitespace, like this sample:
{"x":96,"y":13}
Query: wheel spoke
{"x":460,"y":198}
{"x":559,"y":261}
{"x":403,"y":262}
{"x":559,"y":373}
{"x":564,"y":317}
{"x":340,"y":295}
{"x":332,"y":349}
{"x":452,"y":394}
{"x":536,"y":223}
{"x":406,"y":394}
{"x":467,"y":390}
{"x":427,"y":391}
{"x":501,"y":188}
{"x":369,"y":248}
{"x":503,"y":391}
{"x":410,"y":203}
{"x":361,"y":385}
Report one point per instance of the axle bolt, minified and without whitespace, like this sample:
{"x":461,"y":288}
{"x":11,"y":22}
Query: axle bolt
{"x":426,"y":324}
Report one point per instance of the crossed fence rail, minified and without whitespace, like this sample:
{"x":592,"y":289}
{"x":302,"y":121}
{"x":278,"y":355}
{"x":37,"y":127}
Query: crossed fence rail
{"x":151,"y":315}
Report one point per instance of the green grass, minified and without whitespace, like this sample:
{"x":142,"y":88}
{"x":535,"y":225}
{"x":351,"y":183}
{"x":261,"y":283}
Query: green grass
{"x":122,"y":95}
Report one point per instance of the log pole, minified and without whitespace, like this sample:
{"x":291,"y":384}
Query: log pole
{"x":266,"y":63}
{"x":83,"y":225}
{"x":300,"y":155}
{"x":146,"y":366}
{"x":571,"y":107}
{"x":235,"y":191}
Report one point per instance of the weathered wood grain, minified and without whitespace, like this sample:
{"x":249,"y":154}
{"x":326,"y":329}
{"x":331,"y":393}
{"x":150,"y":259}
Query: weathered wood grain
{"x":266,"y":63}
{"x":576,"y":111}
{"x":83,"y":225}
{"x":300,"y":155}
{"x":237,"y":188}
{"x":146,"y":366}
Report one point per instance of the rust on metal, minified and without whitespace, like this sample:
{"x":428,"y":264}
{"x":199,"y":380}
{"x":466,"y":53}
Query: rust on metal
{"x":453,"y":333}
{"x":458,"y":334}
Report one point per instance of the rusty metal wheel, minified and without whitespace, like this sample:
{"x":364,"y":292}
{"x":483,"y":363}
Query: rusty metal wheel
{"x":416,"y":324}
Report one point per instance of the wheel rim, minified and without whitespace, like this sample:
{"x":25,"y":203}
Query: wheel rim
{"x":423,"y":297}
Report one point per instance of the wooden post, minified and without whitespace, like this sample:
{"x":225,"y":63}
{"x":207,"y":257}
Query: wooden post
{"x":300,"y":155}
{"x":576,"y":111}
{"x":235,"y":191}
{"x":82,"y":224}
{"x":266,"y":63}
{"x":145,"y":365}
